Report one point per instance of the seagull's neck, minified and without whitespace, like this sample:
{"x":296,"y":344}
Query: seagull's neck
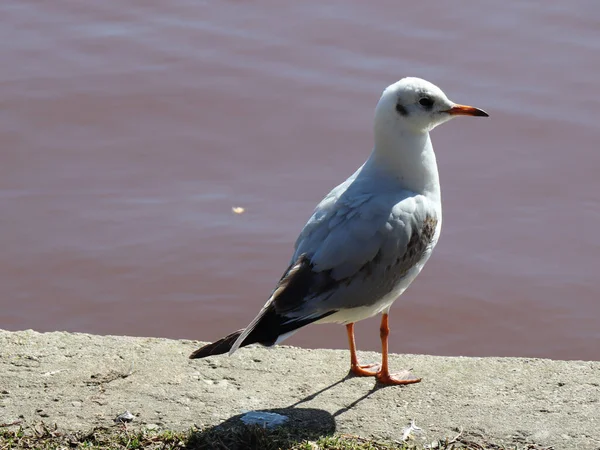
{"x":409,"y":159}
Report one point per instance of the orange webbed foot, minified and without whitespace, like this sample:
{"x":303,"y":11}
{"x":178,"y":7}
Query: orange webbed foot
{"x":363,"y":370}
{"x":398,"y":378}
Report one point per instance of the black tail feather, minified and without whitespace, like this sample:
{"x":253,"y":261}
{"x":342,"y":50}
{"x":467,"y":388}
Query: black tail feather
{"x":267,"y":331}
{"x":219,"y":347}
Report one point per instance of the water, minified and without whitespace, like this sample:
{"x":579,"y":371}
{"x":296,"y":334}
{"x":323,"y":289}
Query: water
{"x":128,"y":132}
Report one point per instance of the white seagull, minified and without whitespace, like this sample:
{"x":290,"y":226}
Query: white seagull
{"x":369,"y":237}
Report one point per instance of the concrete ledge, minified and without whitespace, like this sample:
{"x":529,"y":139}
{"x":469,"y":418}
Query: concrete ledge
{"x":79,"y":381}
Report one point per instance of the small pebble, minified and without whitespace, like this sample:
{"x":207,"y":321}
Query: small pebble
{"x":264,"y":419}
{"x":125,"y":417}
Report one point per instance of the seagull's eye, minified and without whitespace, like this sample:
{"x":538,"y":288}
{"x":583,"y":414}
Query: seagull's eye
{"x":426,"y":102}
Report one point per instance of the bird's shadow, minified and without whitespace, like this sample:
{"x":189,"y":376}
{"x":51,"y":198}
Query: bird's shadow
{"x":346,"y":408}
{"x":303,"y":424}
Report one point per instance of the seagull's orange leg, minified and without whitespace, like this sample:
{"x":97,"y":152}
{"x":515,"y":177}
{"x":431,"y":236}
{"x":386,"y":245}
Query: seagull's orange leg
{"x":356,"y":368}
{"x":384,"y":376}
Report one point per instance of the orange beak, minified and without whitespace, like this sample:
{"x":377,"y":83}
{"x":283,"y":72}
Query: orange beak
{"x":463,"y":110}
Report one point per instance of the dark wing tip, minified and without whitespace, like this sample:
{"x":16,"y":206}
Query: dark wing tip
{"x":219,"y":347}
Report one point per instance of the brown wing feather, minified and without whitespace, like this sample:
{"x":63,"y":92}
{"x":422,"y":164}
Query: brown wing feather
{"x":298,"y":283}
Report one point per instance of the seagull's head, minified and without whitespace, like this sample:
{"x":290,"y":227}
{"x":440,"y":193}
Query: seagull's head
{"x":417,"y":105}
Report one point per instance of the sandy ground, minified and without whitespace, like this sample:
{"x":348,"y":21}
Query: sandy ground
{"x":79,"y":381}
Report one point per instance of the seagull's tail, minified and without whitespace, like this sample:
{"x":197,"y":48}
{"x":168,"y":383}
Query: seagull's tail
{"x":269,"y":328}
{"x":219,"y":347}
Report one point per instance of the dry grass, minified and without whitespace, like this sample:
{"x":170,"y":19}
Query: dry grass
{"x":240,"y":437}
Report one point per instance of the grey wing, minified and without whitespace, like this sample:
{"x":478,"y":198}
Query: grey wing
{"x":365,"y":245}
{"x":352,"y":251}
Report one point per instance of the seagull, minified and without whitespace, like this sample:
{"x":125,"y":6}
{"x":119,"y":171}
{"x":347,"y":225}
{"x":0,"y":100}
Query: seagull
{"x":368,"y":238}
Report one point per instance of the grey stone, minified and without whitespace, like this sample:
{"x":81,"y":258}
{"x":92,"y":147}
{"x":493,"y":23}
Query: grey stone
{"x":509,"y":400}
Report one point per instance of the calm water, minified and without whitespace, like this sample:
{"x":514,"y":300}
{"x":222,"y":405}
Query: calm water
{"x":128,"y":132}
